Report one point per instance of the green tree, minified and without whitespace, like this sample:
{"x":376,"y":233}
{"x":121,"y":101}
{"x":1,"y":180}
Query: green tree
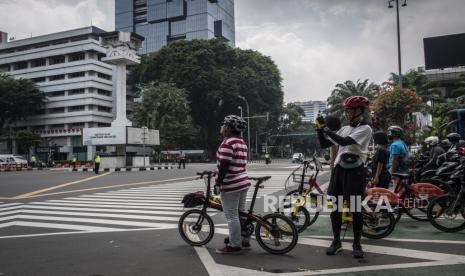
{"x":19,"y":99}
{"x":26,"y":140}
{"x":347,"y":89}
{"x":166,"y":108}
{"x":214,"y":75}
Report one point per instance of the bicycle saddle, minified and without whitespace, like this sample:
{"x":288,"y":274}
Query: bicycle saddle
{"x":260,"y":179}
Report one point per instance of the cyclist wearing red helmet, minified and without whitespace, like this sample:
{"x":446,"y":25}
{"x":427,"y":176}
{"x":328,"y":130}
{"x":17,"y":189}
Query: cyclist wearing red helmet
{"x":349,"y":173}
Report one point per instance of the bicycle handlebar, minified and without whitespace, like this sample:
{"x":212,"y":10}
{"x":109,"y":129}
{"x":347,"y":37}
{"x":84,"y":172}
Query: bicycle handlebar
{"x":209,"y":173}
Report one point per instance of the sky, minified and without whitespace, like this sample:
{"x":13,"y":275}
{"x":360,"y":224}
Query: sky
{"x":315,"y":43}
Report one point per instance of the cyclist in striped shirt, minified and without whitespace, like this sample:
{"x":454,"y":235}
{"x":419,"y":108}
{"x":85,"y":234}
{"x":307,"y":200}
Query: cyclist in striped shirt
{"x":233,"y":181}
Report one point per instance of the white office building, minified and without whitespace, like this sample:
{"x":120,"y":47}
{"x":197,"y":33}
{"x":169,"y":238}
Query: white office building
{"x":311,"y":109}
{"x":67,"y":67}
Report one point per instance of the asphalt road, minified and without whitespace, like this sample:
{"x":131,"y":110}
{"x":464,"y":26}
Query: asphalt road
{"x":125,"y":223}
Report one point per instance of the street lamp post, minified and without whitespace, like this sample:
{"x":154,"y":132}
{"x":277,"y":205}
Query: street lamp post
{"x":240,"y":108}
{"x":398,"y":36}
{"x":144,"y":133}
{"x":248,"y":122}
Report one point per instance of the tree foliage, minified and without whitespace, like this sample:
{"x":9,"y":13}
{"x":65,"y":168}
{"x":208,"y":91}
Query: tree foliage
{"x":19,"y":99}
{"x":213,"y":74}
{"x":166,"y":108}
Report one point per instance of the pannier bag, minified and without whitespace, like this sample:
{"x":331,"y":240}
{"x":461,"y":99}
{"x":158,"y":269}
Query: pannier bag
{"x":191,"y":200}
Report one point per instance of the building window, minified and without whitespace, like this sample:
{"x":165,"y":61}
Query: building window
{"x":103,"y":124}
{"x":56,"y":77}
{"x":76,"y":91}
{"x":57,"y":60}
{"x":38,"y":62}
{"x":57,"y":126}
{"x":77,"y":56}
{"x":56,"y":94}
{"x":41,"y":111}
{"x":76,"y":75}
{"x":76,"y":108}
{"x":20,"y":65}
{"x":57,"y":110}
{"x":104,"y":92}
{"x":77,"y":125}
{"x":104,"y":109}
{"x":37,"y":80}
{"x":104,"y":76}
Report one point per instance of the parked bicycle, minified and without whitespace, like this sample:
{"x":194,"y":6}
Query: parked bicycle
{"x":274,"y":232}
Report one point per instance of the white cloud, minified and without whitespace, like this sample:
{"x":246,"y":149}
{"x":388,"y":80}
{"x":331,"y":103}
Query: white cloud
{"x":37,"y":17}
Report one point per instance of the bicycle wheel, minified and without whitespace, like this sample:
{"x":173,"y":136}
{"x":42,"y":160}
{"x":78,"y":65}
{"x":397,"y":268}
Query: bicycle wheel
{"x":279,"y":236}
{"x":303,"y":218}
{"x":398,"y":211}
{"x":196,"y":228}
{"x":443,"y":218}
{"x":378,"y":225}
{"x":417,"y":208}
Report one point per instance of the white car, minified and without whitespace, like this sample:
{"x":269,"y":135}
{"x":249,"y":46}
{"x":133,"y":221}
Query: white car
{"x":297,"y":157}
{"x":12,"y":159}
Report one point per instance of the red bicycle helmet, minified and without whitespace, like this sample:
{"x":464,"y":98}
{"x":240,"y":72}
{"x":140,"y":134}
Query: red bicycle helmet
{"x":356,"y":102}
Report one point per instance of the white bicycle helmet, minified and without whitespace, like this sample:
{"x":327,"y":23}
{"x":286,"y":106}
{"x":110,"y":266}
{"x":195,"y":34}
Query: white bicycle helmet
{"x":432,"y":140}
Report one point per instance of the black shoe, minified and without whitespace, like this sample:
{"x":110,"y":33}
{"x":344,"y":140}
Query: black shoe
{"x":245,"y":245}
{"x":357,"y":251}
{"x":334,"y":248}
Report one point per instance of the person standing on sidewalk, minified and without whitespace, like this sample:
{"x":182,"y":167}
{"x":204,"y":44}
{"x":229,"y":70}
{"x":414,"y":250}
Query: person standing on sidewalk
{"x":232,"y":180}
{"x":97,"y":163}
{"x":73,"y":160}
{"x":182,"y":160}
{"x":348,"y":178}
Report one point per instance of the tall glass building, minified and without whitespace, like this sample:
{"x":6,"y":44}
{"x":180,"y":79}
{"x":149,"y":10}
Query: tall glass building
{"x":164,"y":21}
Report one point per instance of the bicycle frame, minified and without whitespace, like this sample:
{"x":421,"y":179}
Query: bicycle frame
{"x":249,"y":215}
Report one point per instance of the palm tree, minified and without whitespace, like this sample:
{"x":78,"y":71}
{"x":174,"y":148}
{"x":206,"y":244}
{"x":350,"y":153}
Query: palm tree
{"x":347,"y":89}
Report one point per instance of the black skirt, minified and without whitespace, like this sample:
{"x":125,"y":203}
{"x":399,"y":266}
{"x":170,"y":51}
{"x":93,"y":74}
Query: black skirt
{"x":347,"y":182}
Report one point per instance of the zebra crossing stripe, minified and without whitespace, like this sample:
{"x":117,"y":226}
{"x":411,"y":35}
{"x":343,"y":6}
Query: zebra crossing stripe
{"x":96,"y":221}
{"x":59,"y":226}
{"x":174,"y":213}
{"x":165,"y":199}
{"x":173,"y":208}
{"x":10,"y":204}
{"x":84,"y":201}
{"x":87,"y":214}
{"x":123,"y":200}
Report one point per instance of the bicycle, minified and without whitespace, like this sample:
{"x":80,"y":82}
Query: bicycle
{"x":271,"y":230}
{"x":376,"y":224}
{"x":299,"y":214}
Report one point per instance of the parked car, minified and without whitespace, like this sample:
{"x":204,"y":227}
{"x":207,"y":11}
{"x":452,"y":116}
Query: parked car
{"x":13,"y":159}
{"x":297,"y":157}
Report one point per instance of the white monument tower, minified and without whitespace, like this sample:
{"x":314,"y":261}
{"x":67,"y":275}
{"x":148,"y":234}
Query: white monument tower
{"x":121,"y":51}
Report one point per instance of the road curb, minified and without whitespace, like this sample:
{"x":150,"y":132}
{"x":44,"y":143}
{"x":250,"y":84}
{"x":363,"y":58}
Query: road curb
{"x":127,"y":169}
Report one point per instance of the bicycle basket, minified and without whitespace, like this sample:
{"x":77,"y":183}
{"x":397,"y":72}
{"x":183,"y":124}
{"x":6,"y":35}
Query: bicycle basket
{"x":297,"y":178}
{"x":191,"y":200}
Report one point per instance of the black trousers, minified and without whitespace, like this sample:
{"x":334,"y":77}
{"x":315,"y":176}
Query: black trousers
{"x":183,"y":161}
{"x":97,"y":167}
{"x":347,"y":183}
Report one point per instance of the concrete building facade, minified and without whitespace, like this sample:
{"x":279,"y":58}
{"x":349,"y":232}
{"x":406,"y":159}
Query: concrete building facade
{"x":67,"y":67}
{"x":164,"y":21}
{"x":311,"y":109}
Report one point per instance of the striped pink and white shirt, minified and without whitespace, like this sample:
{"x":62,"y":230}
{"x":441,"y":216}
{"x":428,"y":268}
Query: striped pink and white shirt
{"x":234,"y":151}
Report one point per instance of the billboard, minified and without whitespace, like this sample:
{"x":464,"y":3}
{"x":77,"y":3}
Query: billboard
{"x":444,"y":51}
{"x":136,"y":136}
{"x":101,"y":136}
